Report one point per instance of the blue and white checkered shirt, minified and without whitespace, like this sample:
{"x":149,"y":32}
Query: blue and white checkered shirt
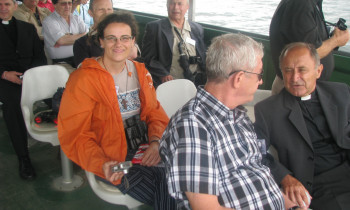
{"x":208,"y":148}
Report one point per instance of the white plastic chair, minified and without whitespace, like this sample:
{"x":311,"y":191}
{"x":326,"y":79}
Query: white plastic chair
{"x":41,"y":83}
{"x":109,"y":193}
{"x":174,"y":94}
{"x":258,"y":96}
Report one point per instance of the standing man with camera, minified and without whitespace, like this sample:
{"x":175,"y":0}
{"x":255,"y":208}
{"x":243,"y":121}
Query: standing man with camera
{"x":21,"y":49}
{"x":303,"y":21}
{"x":173,"y":48}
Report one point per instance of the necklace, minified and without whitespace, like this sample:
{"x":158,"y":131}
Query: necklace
{"x":124,"y":101}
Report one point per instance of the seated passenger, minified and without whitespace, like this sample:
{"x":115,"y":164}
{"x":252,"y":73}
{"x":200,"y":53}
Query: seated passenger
{"x":21,"y":49}
{"x":60,"y":30}
{"x":210,"y":149}
{"x":102,"y":93}
{"x":29,"y":12}
{"x":308,"y":124}
{"x":88,"y":46}
{"x":81,"y":10}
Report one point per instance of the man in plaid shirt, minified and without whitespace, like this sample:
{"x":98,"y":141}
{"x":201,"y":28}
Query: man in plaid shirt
{"x":210,"y":147}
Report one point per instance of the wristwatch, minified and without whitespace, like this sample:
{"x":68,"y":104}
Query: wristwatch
{"x":155,"y":140}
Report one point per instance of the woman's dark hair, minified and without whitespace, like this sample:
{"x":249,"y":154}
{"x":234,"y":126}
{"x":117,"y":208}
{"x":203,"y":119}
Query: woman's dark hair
{"x":118,"y":17}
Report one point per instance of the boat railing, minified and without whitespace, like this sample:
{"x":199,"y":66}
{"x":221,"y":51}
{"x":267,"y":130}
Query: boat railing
{"x":342,"y":59}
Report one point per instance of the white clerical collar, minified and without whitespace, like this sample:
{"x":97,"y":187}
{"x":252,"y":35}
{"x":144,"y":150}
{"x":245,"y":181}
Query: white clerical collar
{"x":305,"y":98}
{"x":5,"y":22}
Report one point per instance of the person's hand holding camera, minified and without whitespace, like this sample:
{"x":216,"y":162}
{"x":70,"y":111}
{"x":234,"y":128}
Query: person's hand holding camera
{"x":109,"y":174}
{"x":341,"y":37}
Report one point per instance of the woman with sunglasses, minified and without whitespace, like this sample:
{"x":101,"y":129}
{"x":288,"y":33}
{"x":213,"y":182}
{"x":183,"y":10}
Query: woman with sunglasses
{"x":99,"y":98}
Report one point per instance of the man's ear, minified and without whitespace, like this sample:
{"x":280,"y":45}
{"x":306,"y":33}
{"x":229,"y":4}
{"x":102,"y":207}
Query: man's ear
{"x":319,"y":70}
{"x":236,"y":79}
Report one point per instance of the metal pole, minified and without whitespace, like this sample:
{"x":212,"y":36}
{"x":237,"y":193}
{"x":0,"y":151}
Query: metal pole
{"x":191,"y":10}
{"x":68,"y":181}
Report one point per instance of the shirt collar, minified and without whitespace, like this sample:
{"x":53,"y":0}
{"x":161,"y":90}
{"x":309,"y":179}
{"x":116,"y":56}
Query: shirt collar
{"x":8,"y":22}
{"x":59,"y":16}
{"x":25,"y":8}
{"x":311,"y":96}
{"x":186,"y":26}
{"x":214,"y":105}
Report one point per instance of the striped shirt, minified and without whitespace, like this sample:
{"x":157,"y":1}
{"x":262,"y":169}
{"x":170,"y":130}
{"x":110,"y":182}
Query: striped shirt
{"x":208,"y":148}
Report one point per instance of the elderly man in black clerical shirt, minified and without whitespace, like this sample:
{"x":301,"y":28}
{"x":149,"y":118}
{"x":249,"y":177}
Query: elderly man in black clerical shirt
{"x":20,"y":50}
{"x":308,"y":123}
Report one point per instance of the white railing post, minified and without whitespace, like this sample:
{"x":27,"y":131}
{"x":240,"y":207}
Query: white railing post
{"x":191,"y":10}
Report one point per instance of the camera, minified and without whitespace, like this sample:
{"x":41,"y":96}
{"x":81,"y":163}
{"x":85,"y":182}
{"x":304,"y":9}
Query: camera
{"x":47,"y":116}
{"x":122,"y":167}
{"x":195,"y":59}
{"x":341,"y":24}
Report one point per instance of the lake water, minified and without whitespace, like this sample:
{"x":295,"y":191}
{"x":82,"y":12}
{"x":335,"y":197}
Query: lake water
{"x":247,"y":15}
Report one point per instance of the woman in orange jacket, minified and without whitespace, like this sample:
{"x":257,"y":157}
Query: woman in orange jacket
{"x":99,"y":96}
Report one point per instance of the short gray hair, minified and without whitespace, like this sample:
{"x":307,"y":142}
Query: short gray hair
{"x":310,"y":47}
{"x":230,"y":52}
{"x":167,"y":2}
{"x":91,"y":4}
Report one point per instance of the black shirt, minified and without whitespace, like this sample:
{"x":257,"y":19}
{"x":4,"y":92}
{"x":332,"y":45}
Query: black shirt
{"x":86,"y":47}
{"x":327,"y":154}
{"x":299,"y":21}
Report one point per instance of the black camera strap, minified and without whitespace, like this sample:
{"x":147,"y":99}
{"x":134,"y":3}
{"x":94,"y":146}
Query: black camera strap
{"x":181,"y":40}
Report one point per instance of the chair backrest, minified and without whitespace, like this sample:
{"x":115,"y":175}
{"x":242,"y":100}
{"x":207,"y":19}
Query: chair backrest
{"x":41,"y":83}
{"x":174,"y":94}
{"x":258,"y":96}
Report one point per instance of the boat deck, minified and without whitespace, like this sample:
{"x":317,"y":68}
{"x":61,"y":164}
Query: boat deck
{"x":16,"y":193}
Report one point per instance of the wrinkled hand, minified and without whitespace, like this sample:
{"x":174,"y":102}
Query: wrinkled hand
{"x":167,"y":78}
{"x":295,"y":191}
{"x":110,"y":176}
{"x":342,"y":37}
{"x":289,"y":204}
{"x":151,"y":156}
{"x":13,"y":76}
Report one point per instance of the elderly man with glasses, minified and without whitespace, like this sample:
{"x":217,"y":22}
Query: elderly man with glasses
{"x":60,"y":31}
{"x":210,"y":149}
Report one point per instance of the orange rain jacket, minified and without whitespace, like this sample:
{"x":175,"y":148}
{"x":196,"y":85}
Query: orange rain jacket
{"x":90,"y":126}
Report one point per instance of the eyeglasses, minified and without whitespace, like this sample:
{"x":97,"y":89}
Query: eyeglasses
{"x":113,"y":39}
{"x":69,"y":3}
{"x":260,"y":76}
